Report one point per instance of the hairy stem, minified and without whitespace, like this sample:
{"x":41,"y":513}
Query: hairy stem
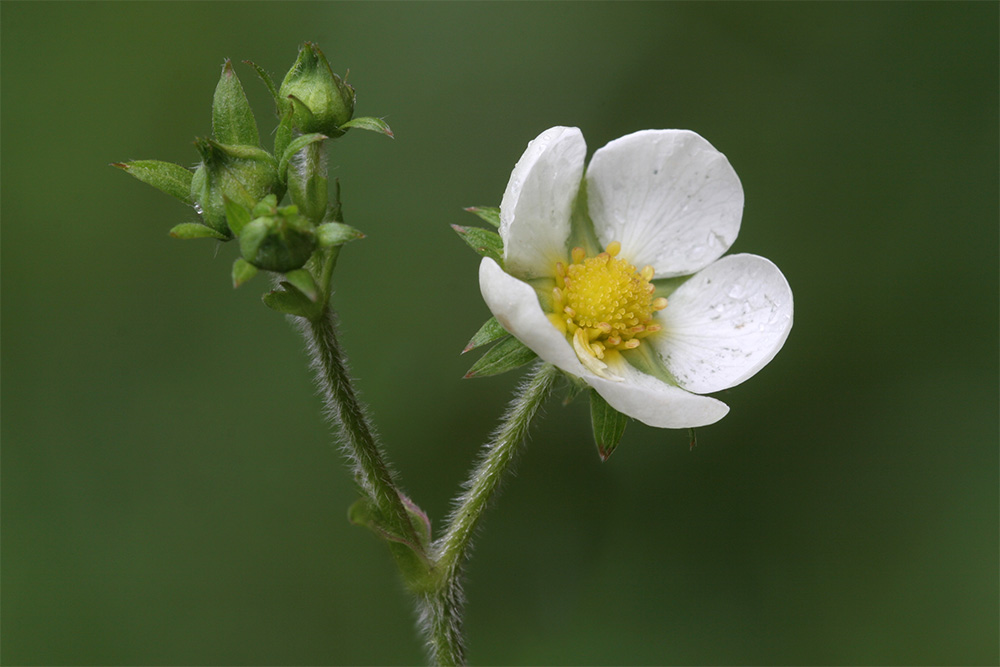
{"x":443,"y":606}
{"x":348,"y":417}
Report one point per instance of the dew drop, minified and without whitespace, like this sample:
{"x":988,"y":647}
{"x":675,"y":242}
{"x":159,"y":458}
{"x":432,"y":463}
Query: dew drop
{"x":198,"y":209}
{"x":736,"y":291}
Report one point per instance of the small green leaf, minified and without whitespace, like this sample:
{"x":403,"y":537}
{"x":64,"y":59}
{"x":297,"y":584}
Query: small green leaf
{"x":232,"y":119}
{"x":483,"y":241}
{"x":336,"y":233}
{"x":490,"y":331}
{"x":195,"y":230}
{"x":291,"y":301}
{"x":167,"y":177}
{"x":508,"y":354}
{"x":237,"y":216}
{"x":487,"y":213}
{"x":303,"y":281}
{"x":609,"y":425}
{"x":242,"y":272}
{"x":294,"y":147}
{"x":369,"y":123}
{"x":420,"y":521}
{"x":411,"y":558}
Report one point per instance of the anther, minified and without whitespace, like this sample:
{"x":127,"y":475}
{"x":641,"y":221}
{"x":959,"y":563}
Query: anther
{"x":659,"y":303}
{"x":614,"y":248}
{"x":578,"y":255}
{"x":647,"y":272}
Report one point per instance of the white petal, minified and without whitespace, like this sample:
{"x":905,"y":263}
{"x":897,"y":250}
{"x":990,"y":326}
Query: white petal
{"x":670,"y":198}
{"x":655,"y":402}
{"x":725,"y":323}
{"x":515,"y":305}
{"x":535,"y":210}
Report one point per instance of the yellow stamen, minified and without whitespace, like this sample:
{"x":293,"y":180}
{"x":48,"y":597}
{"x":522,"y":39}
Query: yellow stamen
{"x":605,"y":304}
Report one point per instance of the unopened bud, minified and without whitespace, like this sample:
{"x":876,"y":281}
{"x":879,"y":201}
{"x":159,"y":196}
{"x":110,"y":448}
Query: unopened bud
{"x":321,"y":101}
{"x":279,"y":240}
{"x":244,"y":174}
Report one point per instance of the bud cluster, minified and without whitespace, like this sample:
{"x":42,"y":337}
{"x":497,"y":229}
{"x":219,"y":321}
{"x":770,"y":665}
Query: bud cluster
{"x":236,"y":187}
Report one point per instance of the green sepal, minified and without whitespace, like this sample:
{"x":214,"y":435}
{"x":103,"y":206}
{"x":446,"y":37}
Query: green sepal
{"x":307,"y":183}
{"x":266,"y":206}
{"x":294,"y":147}
{"x":242,"y":272}
{"x":268,"y":81}
{"x":242,"y":173}
{"x":487,"y":213}
{"x":335,"y":212}
{"x":196,"y":230}
{"x":167,"y":177}
{"x":490,"y":331}
{"x":487,"y":243}
{"x":369,"y":123}
{"x":283,"y":133}
{"x":411,"y":557}
{"x":332,"y":234}
{"x":303,"y":281}
{"x":289,"y":300}
{"x":232,"y":118}
{"x":574,"y":387}
{"x":508,"y":354}
{"x":609,"y":425}
{"x":237,"y":216}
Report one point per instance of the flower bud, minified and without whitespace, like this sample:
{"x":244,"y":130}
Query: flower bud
{"x":244,"y":174}
{"x":321,"y":101}
{"x":279,"y":239}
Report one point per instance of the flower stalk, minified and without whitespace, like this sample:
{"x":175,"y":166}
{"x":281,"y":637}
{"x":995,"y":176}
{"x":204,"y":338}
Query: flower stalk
{"x":442,"y":608}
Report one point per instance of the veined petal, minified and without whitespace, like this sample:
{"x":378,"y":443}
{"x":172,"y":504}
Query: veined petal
{"x":655,"y":402}
{"x":535,"y":210}
{"x":670,"y":198}
{"x":725,"y":323}
{"x":515,"y":305}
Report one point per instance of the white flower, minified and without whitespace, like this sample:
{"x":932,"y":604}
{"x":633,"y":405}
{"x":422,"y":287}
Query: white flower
{"x":662,"y":200}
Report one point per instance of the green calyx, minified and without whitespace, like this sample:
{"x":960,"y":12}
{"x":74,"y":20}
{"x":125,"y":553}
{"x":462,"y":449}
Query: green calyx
{"x":321,"y":101}
{"x":243,"y":174}
{"x":277,"y":239}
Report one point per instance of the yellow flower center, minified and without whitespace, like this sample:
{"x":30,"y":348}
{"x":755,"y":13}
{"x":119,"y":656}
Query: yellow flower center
{"x":604,"y":304}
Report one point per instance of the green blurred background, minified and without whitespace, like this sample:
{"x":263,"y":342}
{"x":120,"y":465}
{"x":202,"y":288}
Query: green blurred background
{"x":170,"y":494}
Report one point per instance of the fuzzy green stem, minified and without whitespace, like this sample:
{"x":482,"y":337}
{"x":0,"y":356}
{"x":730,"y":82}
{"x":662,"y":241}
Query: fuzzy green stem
{"x":345,"y":412}
{"x":443,"y":607}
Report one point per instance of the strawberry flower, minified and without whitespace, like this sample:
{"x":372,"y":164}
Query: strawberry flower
{"x":618,"y":277}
